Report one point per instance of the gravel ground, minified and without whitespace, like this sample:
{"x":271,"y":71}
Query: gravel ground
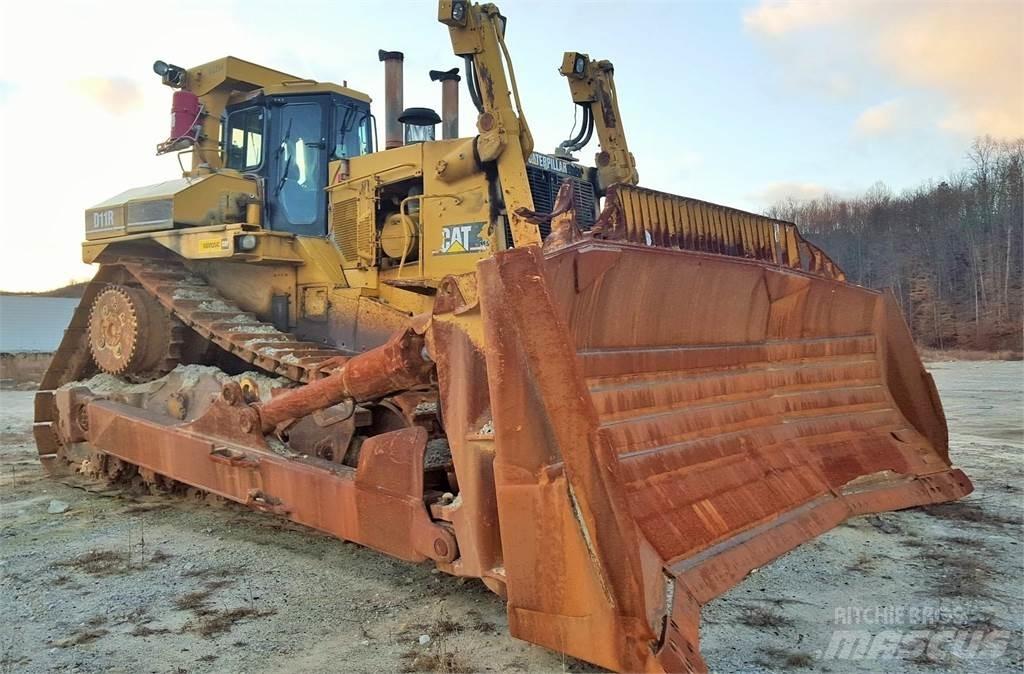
{"x":119,"y":585}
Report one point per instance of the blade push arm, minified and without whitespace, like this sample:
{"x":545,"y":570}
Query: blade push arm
{"x":478,"y":36}
{"x":593,"y":88}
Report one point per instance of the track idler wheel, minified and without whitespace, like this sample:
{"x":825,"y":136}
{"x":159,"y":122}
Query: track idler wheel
{"x":130,"y":333}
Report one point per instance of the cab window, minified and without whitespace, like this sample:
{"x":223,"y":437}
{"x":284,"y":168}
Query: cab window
{"x":300,"y":181}
{"x":245,"y":139}
{"x":351,"y":137}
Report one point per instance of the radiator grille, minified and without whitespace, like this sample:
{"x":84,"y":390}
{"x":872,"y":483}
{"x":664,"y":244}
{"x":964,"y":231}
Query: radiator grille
{"x":345,"y":228}
{"x":544,"y":188}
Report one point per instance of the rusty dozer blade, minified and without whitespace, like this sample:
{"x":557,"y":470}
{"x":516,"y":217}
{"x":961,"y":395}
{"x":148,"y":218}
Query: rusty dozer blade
{"x":667,"y":420}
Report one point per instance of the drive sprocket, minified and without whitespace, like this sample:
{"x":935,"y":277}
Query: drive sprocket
{"x":130,"y":334}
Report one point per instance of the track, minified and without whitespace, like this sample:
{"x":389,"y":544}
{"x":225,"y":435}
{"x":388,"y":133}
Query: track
{"x":197,"y":305}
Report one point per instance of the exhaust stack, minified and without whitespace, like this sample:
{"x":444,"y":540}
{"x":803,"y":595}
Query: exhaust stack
{"x":449,"y":80}
{"x":393,"y":99}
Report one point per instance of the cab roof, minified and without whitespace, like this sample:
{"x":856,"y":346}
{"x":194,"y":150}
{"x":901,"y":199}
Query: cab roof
{"x":244,"y":77}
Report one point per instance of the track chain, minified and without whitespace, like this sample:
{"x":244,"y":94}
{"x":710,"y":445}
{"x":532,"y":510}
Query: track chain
{"x":198,"y":305}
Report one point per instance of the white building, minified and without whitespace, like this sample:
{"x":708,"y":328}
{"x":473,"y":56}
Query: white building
{"x":29,"y":323}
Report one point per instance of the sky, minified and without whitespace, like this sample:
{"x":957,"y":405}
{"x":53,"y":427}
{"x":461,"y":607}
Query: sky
{"x":742,"y":103}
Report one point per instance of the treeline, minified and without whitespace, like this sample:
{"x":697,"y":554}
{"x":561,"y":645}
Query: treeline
{"x":951,"y":252}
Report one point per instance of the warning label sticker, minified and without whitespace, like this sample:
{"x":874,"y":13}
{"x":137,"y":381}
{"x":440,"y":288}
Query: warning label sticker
{"x":213,"y":245}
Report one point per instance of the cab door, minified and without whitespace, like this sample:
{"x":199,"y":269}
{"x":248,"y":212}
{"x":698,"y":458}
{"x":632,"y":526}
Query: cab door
{"x":296,"y":175}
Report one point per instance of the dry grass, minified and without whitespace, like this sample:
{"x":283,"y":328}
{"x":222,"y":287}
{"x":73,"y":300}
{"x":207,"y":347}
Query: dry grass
{"x":479,"y":624}
{"x":787,"y":659}
{"x":192,"y":600}
{"x":96,"y":621}
{"x":146,"y":631}
{"x":937,"y":355}
{"x":208,"y":573}
{"x":448,"y":663}
{"x":441,"y":657}
{"x":142,"y":508}
{"x":83,"y":636}
{"x":799,"y":660}
{"x":98,"y":563}
{"x":758,"y":616}
{"x":923,"y":659}
{"x":985,"y":621}
{"x":444,"y":626}
{"x":9,"y":663}
{"x":863,"y":564}
{"x":197,"y":601}
{"x":160,"y":556}
{"x":219,"y":622}
{"x":886,"y":525}
{"x":209,"y":621}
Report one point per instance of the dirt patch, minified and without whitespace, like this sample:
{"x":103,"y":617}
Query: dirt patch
{"x":964,"y":573}
{"x":970,"y":511}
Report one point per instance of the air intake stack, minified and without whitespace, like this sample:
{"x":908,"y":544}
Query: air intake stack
{"x":393,"y":98}
{"x":449,"y":80}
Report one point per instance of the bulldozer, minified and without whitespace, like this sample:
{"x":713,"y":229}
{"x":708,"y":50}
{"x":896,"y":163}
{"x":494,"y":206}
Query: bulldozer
{"x":608,"y":403}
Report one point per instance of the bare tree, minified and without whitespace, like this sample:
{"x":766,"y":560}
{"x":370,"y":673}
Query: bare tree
{"x":953,"y":252}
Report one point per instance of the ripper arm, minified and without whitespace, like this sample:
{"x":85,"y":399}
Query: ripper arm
{"x":478,"y":36}
{"x":592,"y":86}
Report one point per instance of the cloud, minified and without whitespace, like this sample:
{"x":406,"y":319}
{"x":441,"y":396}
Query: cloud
{"x":882,"y":118}
{"x":970,"y":52}
{"x":116,"y":95}
{"x":777,"y":18}
{"x":967,"y":52}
